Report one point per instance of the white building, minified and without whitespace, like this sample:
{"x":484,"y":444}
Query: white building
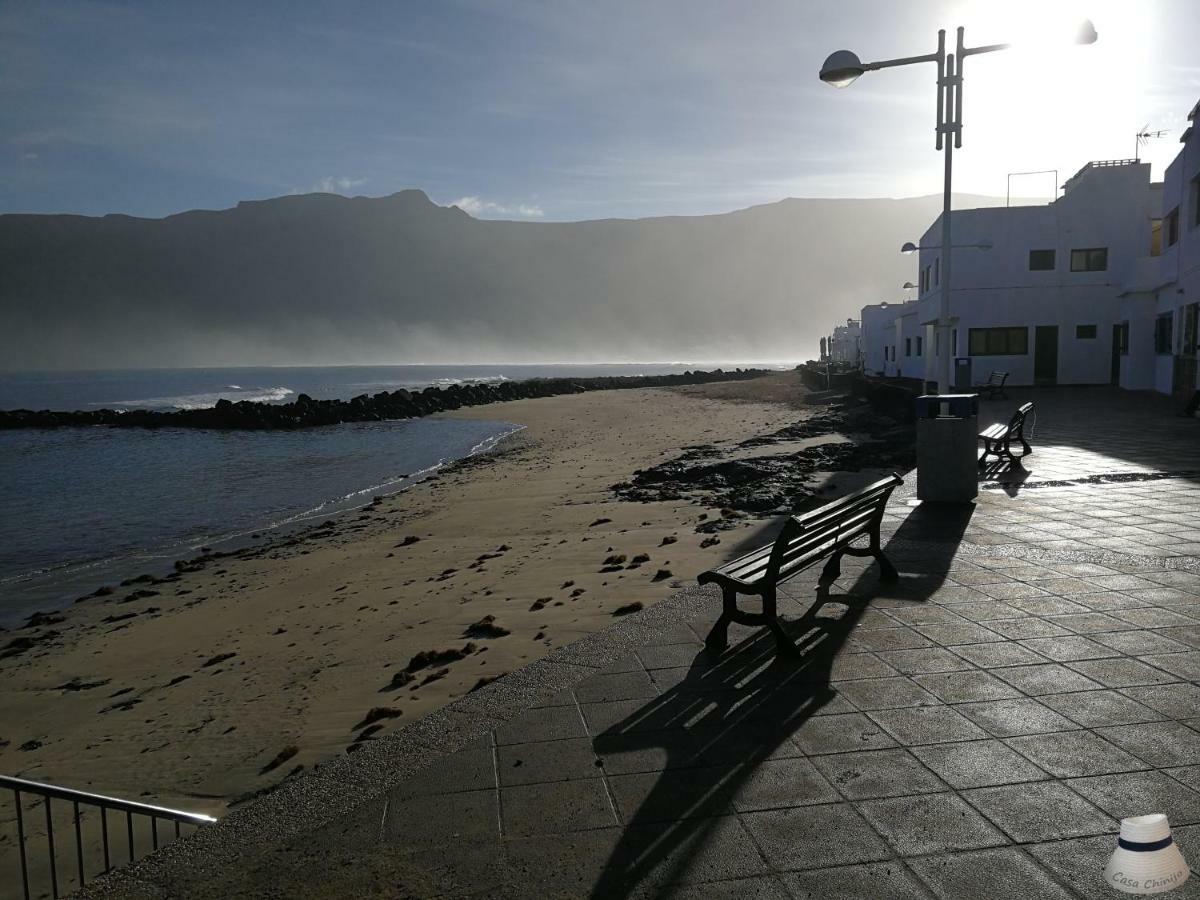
{"x":1045,"y":302}
{"x":1161,"y":300}
{"x":845,"y":345}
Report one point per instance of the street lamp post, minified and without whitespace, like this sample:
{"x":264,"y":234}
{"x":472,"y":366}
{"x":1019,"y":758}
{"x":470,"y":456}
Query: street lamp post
{"x":842,"y":68}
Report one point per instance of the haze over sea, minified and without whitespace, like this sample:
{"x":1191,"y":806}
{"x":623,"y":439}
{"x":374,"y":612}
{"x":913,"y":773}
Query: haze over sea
{"x":85,"y":506}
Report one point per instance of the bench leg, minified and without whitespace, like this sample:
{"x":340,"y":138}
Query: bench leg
{"x":718,"y":637}
{"x":783,"y":644}
{"x":833,"y":568}
{"x":1024,"y":443}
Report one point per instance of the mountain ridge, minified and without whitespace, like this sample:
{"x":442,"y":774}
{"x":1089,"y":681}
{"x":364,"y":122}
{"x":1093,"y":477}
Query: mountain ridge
{"x":323,"y":279}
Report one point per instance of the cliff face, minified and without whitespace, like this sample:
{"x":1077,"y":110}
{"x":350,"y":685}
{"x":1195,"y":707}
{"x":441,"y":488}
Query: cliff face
{"x":324,"y":279}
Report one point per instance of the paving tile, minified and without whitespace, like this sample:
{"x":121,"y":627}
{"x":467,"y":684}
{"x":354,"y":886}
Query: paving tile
{"x":986,"y":611}
{"x":467,"y":816}
{"x":466,"y":770}
{"x":1069,"y":647}
{"x":648,"y":751}
{"x":1089,"y":623}
{"x":1007,"y":718}
{"x":1107,"y":601}
{"x":762,"y":887}
{"x":543,"y":724}
{"x":1153,"y":617}
{"x":878,"y":773}
{"x":901,"y":638}
{"x":1048,"y":605}
{"x":1177,"y":701}
{"x":926,"y":725}
{"x":1186,"y":775}
{"x":1184,"y":665}
{"x":1001,"y":873}
{"x":1029,"y":627}
{"x":615,"y":686}
{"x":839,"y":734}
{"x":554,"y":808}
{"x":1095,"y":709}
{"x":1050,"y":678}
{"x":1121,"y":672}
{"x":1067,"y":754}
{"x":814,"y":837}
{"x":890,"y":880}
{"x":958,"y":687}
{"x":859,"y":665}
{"x":1136,"y":793}
{"x":666,"y":656}
{"x":1157,"y":743}
{"x":776,"y":783}
{"x":995,"y":655}
{"x":960,"y":633}
{"x":674,"y":794}
{"x":885,"y":693}
{"x":1138,"y":643}
{"x":1040,"y":811}
{"x":930,"y":823}
{"x":924,"y":614}
{"x":546,"y":761}
{"x":970,"y":764}
{"x":923,"y":661}
{"x":1186,"y":634}
{"x":1012,"y":590}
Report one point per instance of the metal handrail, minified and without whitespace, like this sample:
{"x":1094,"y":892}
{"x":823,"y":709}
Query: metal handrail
{"x":104,"y":803}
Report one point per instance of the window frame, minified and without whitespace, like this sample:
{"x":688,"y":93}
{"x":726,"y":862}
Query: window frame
{"x":998,"y":341}
{"x":1053,"y":260}
{"x":1088,"y":259}
{"x":1164,"y":337}
{"x":1171,"y":223}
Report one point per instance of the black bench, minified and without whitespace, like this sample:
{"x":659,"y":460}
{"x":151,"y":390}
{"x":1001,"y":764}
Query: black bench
{"x":804,"y":540}
{"x":994,"y":386}
{"x":998,"y":438}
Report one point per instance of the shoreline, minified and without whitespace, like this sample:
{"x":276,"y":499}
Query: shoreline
{"x":311,"y":647}
{"x":56,"y":589}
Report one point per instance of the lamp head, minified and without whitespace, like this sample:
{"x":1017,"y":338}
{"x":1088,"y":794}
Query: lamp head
{"x":841,"y":68}
{"x":1087,"y":33}
{"x":909,"y":247}
{"x":908,"y":286}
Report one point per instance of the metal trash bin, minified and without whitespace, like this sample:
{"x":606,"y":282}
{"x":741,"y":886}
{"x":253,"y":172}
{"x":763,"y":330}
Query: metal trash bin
{"x":962,"y":375}
{"x":947,"y":448}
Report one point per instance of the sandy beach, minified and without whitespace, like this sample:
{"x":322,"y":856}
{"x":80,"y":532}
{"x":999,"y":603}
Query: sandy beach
{"x":200,"y":691}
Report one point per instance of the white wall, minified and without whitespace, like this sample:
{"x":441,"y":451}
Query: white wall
{"x":1103,"y":207}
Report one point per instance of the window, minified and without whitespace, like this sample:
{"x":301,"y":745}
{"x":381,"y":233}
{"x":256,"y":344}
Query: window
{"x":1122,"y":336}
{"x":998,"y":341}
{"x":1092,"y":259}
{"x":919,"y":342}
{"x":1162,"y":334}
{"x":908,"y":346}
{"x":1191,"y":325}
{"x":937,"y":270}
{"x":1041,"y":260}
{"x":1156,"y":237}
{"x":1195,"y":202}
{"x":1173,"y":227}
{"x":1085,"y":332}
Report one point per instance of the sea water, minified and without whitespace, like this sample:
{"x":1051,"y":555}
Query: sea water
{"x":80,"y":507}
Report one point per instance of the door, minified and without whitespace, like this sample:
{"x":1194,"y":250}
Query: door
{"x":1045,"y":354}
{"x":1117,"y":344}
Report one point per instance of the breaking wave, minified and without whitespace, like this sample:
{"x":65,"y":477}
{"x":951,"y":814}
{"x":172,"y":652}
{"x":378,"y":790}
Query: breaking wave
{"x":234,"y":393}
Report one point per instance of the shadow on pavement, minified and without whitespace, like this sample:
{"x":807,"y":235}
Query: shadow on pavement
{"x":731,"y":713}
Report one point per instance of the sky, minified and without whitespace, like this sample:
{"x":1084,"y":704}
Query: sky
{"x":564,"y":110}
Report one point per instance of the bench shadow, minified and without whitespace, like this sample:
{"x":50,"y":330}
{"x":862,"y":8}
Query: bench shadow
{"x":712,"y":731}
{"x":1008,"y":474}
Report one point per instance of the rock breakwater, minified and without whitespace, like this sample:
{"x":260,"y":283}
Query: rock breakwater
{"x":305,"y":412}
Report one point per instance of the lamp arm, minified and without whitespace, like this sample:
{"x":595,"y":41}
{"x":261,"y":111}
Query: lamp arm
{"x":903,"y":61}
{"x":987,"y":48}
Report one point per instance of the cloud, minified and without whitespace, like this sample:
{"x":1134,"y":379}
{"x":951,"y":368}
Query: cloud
{"x":479,"y":207}
{"x":335,"y":185}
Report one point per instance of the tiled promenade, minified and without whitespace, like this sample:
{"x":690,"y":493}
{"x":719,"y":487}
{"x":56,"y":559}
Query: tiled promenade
{"x":975,"y":731}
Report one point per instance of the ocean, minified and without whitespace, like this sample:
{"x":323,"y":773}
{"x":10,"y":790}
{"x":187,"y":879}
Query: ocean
{"x":84,"y":507}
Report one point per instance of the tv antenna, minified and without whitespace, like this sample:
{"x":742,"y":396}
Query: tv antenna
{"x":1144,"y":135}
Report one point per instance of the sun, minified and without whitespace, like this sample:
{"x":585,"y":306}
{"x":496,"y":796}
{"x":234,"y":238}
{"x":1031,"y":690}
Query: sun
{"x":1049,"y":102}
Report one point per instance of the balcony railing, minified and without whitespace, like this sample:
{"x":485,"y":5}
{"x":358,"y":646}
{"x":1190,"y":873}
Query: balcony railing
{"x":80,"y":801}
